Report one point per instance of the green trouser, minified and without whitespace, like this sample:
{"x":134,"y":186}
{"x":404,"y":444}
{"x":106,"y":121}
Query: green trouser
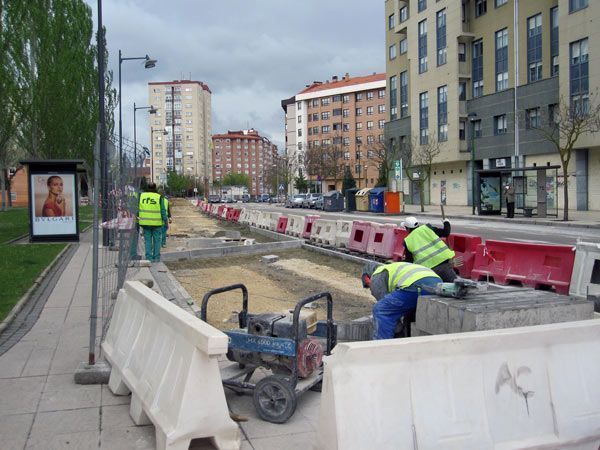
{"x":153,"y":239}
{"x":164,"y":235}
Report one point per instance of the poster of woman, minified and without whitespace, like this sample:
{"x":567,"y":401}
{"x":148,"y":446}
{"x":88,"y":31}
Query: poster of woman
{"x":53,"y":210}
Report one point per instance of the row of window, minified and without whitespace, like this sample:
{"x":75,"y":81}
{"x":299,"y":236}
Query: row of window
{"x":326,"y":115}
{"x":344,"y":98}
{"x":344,"y":141}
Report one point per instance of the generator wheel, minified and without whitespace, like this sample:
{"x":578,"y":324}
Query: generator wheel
{"x":274,"y":399}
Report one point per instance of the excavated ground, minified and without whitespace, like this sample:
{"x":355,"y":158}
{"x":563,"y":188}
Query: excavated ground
{"x":272,"y":287}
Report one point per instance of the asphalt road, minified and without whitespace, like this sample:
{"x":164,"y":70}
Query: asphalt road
{"x":542,"y":234}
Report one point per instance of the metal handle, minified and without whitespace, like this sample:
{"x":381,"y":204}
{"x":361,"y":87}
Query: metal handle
{"x":307,"y":300}
{"x":243,"y":315}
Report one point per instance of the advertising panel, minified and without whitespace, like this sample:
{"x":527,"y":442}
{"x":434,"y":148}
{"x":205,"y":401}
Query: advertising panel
{"x":53,"y":205}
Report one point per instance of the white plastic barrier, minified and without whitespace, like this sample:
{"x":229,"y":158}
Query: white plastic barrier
{"x":324,"y":232}
{"x":342,"y":234}
{"x":273,"y":220}
{"x":585,"y":269}
{"x":168,"y":360}
{"x":244,"y":216}
{"x":531,"y":387}
{"x":214,"y":210}
{"x":254,"y":215}
{"x":263,"y":219}
{"x":295,"y":225}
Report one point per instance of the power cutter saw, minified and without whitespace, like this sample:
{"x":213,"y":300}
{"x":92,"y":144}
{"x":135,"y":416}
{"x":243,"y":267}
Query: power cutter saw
{"x":459,"y":288}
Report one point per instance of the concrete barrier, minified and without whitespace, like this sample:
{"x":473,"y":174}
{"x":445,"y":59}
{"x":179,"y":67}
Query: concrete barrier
{"x":263,"y":220}
{"x":254,"y":216}
{"x":342,"y":233}
{"x":273,"y":220}
{"x":323,"y":232}
{"x":532,"y":387}
{"x":295,"y":225}
{"x":168,"y":360}
{"x":586,"y":270}
{"x":244,"y":214}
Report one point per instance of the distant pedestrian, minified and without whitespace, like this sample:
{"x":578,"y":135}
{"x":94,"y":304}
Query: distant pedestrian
{"x":151,"y":216}
{"x":167,"y":222}
{"x":509,"y":193}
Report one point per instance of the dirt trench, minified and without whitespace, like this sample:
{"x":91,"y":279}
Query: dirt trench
{"x":274,"y":287}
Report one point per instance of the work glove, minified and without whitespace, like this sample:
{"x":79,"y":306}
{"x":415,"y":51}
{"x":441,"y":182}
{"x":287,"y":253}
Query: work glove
{"x":446,"y":220}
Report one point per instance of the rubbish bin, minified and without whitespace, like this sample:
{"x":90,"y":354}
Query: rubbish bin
{"x":362,"y":200}
{"x":351,"y":199}
{"x":376,"y":203}
{"x":333,"y":201}
{"x":392,"y":202}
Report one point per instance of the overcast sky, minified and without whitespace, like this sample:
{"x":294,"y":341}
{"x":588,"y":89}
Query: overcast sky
{"x":251,"y":53}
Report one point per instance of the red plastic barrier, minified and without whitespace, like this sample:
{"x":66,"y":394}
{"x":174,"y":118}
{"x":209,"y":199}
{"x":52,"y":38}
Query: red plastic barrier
{"x":465,"y":246}
{"x":398,"y":250}
{"x":282,"y":224}
{"x":220,"y":211}
{"x":382,"y":240}
{"x":230,"y":214}
{"x":308,"y":223}
{"x":236,"y":214}
{"x":533,"y":265}
{"x":359,"y":236}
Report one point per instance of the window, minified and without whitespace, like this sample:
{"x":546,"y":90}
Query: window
{"x":381,"y":109}
{"x":391,"y":21}
{"x":325,"y":101}
{"x":477,"y":128}
{"x":461,"y":130}
{"x":442,"y":93}
{"x":346,"y":141}
{"x":462,"y":90}
{"x":337,"y":98}
{"x":421,"y":5}
{"x":477,"y":77}
{"x":423,"y":46}
{"x":369,"y":125}
{"x":501,"y":60}
{"x":462,"y":52}
{"x":534,"y":48}
{"x":345,"y":98}
{"x":381,"y":123}
{"x":554,"y":41}
{"x":325,"y":115}
{"x":480,"y":7}
{"x":381,"y":93}
{"x":370,"y":139}
{"x":441,"y":37}
{"x":532,"y":118}
{"x":346,"y":127}
{"x":359,"y":111}
{"x":300,"y":132}
{"x":403,"y":47}
{"x":500,"y":126}
{"x":370,"y":95}
{"x":358,"y":96}
{"x":315,"y":130}
{"x":576,"y":5}
{"x":380,"y":139}
{"x":315,"y":116}
{"x":424,"y":118}
{"x":499,"y":3}
{"x":393,"y":98}
{"x":299,"y":106}
{"x":325,"y":129}
{"x":337,"y":126}
{"x":315,"y":102}
{"x":337,"y":111}
{"x":299,"y":119}
{"x":579,"y":76}
{"x":369,"y":110}
{"x":403,"y":94}
{"x":392,"y":52}
{"x":359,"y":125}
{"x":403,"y":13}
{"x":346,"y":155}
{"x":345,"y":112}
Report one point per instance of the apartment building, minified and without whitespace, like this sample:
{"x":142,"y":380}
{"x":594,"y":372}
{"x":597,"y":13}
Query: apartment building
{"x":247,"y":152}
{"x":348,"y":113}
{"x":184,"y":114}
{"x":452,"y":67}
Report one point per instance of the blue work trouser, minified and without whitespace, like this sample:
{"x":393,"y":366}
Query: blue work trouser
{"x":388,"y":311}
{"x":153,"y":240}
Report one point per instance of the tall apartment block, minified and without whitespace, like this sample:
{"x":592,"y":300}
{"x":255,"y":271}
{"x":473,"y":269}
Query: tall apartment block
{"x":452,"y":68}
{"x":347,"y":112}
{"x":184,"y":112}
{"x":247,"y":152}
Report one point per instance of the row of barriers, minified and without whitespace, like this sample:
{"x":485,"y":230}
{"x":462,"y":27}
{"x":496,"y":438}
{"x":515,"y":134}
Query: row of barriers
{"x":540,"y":266}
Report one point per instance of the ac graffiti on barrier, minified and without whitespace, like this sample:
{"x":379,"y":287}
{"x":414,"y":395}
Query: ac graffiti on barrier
{"x":506,"y":377}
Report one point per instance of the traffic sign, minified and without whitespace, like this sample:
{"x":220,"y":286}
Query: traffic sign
{"x":397,"y":165}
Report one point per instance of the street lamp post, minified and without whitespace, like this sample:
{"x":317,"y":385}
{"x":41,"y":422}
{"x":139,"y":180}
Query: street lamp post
{"x":472,"y":118}
{"x":149,"y":63}
{"x":135,"y":108}
{"x":358,"y":166}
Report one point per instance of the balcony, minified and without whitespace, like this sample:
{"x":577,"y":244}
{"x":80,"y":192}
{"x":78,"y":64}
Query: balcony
{"x":464,"y":70}
{"x":465,"y":34}
{"x":401,"y":28}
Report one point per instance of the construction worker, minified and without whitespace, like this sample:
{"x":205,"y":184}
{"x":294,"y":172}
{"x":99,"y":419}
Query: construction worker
{"x":396,"y":287}
{"x":166,"y":225}
{"x":133,"y":200}
{"x":151,"y":216}
{"x":424,"y":246}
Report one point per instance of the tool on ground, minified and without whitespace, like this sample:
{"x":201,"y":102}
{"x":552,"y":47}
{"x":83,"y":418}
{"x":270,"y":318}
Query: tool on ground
{"x":459,"y":288}
{"x":291,"y":345}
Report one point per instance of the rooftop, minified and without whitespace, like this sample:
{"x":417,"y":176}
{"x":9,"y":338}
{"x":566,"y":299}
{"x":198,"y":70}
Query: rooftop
{"x":346,"y":81}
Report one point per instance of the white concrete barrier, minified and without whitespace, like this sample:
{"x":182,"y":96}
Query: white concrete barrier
{"x":342,"y":234}
{"x":323,"y":232}
{"x":168,"y":360}
{"x":254,"y":215}
{"x":263,"y":219}
{"x":273,"y":221}
{"x":586,"y":270}
{"x":295,"y":225}
{"x":244,"y":216}
{"x":531,"y":387}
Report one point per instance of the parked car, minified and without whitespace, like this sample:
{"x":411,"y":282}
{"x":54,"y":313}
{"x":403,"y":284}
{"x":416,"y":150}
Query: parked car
{"x":297,"y":200}
{"x":213,"y":198}
{"x":245,"y":198}
{"x":264,"y":198}
{"x":319,"y":203}
{"x":310,"y":200}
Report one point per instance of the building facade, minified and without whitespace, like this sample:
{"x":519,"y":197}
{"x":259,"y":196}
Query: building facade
{"x":452,"y":67}
{"x":347,"y":114}
{"x":246,"y":152}
{"x":181,"y":130}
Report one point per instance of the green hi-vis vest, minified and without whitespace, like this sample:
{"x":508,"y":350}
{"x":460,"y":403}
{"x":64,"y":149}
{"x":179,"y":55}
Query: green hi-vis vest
{"x":149,"y":211}
{"x":402,"y":275}
{"x":166,"y":200}
{"x":427,"y":247}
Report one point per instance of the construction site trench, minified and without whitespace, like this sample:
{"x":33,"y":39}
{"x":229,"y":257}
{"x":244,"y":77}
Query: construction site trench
{"x":273,"y":287}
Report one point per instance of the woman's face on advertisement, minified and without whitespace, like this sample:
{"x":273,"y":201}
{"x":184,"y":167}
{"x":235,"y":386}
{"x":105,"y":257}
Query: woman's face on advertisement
{"x":56,"y":186}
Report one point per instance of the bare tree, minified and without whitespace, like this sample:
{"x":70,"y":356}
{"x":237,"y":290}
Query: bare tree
{"x":563,"y":125}
{"x":419,"y":161}
{"x":323,"y":161}
{"x":383,"y":155}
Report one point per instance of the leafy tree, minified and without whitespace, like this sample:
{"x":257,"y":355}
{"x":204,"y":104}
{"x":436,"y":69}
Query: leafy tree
{"x":300,"y":182}
{"x":420,"y":159}
{"x":178,"y":183}
{"x":563,"y":129}
{"x":348,"y":182}
{"x":236,"y":179}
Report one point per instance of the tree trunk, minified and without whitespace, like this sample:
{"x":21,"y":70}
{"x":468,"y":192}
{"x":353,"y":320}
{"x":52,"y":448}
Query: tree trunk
{"x":8,"y":188}
{"x":2,"y":190}
{"x":422,"y":195}
{"x":565,"y":193}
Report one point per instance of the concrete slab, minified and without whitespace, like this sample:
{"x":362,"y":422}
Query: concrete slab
{"x":19,"y":355}
{"x":116,"y":416}
{"x":14,"y":430}
{"x":56,"y":423}
{"x":140,"y":438}
{"x":20,"y":395}
{"x":61,"y":393}
{"x":86,"y":440}
{"x":292,"y":441}
{"x":109,"y":399}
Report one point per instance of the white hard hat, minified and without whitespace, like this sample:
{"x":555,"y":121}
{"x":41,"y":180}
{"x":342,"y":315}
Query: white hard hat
{"x":410,"y":223}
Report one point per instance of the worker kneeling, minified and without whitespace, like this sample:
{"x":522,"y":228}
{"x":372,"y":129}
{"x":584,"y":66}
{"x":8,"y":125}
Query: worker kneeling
{"x":396,"y":287}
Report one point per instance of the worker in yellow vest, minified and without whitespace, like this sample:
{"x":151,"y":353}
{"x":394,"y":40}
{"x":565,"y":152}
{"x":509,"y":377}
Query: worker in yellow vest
{"x":424,"y":246}
{"x":151,"y":217}
{"x":396,"y":287}
{"x":167,"y":222}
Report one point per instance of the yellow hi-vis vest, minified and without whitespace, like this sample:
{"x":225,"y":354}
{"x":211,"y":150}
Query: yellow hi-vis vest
{"x":149,"y":211}
{"x":166,"y":203}
{"x":402,"y":275}
{"x":427,"y":248}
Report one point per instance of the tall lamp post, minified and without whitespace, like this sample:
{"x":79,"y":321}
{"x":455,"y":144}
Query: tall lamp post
{"x":358,"y":167}
{"x":148,"y":64}
{"x":473,"y":118}
{"x":152,"y":110}
{"x":152,"y":131}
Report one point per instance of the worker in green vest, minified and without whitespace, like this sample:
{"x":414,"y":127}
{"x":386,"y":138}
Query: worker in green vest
{"x":424,"y":246}
{"x":167,"y":222}
{"x":151,"y":217}
{"x":396,"y":287}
